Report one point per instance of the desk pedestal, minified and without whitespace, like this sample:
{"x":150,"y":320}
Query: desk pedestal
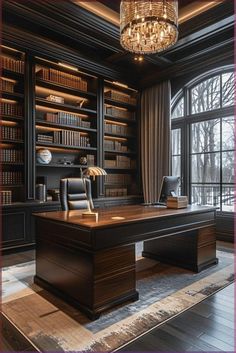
{"x":194,"y":250}
{"x":90,"y":281}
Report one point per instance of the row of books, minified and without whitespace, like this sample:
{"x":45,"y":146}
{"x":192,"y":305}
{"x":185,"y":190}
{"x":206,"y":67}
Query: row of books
{"x":11,"y":178}
{"x":64,"y":137}
{"x":67,"y":119}
{"x":121,"y":97}
{"x":119,"y":113}
{"x":111,"y":145}
{"x":10,"y":109}
{"x":120,"y":162}
{"x":11,"y":133}
{"x":11,"y":155}
{"x":114,"y":192}
{"x":118,"y":179}
{"x":12,"y":64}
{"x":63,"y":78}
{"x":118,"y":129}
{"x":5,"y":197}
{"x":6,"y":85}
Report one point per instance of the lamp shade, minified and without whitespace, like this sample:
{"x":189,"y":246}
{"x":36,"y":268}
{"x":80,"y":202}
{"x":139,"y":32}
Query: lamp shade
{"x":148,"y":26}
{"x":94,"y":171}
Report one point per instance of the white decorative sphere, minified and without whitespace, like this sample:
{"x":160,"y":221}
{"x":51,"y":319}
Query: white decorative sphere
{"x":44,"y":156}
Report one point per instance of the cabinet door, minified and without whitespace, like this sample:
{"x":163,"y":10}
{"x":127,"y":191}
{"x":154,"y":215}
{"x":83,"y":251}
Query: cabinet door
{"x":14,"y":225}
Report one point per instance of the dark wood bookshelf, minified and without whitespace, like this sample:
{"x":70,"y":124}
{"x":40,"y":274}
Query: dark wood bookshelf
{"x":64,"y":126}
{"x":64,"y":89}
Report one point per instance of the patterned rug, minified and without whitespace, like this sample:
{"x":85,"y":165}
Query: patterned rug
{"x":164,"y":292}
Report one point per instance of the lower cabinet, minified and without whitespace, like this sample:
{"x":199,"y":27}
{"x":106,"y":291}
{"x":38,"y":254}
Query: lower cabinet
{"x":18,"y":225}
{"x":15,"y":226}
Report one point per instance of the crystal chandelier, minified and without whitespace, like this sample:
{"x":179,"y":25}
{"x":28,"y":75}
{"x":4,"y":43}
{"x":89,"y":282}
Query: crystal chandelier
{"x":148,"y":27}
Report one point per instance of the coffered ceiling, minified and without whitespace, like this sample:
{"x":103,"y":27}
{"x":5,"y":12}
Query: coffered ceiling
{"x":203,"y":33}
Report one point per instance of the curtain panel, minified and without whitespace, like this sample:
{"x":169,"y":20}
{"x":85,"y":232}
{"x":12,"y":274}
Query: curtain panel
{"x":155,"y":138}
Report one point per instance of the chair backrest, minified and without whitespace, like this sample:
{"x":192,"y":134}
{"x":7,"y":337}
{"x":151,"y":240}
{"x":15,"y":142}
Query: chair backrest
{"x":74,"y":195}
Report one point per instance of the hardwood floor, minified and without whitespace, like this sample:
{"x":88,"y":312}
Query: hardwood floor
{"x":207,"y":327}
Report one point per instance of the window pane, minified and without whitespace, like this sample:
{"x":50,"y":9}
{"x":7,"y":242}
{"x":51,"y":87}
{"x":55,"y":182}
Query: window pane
{"x":228,"y":133}
{"x":228,"y":198}
{"x":228,"y":89}
{"x":176,"y":166}
{"x":206,"y":168}
{"x":228,"y":167}
{"x":206,"y":195}
{"x":206,"y":95}
{"x":176,"y":141}
{"x":178,"y":112}
{"x":206,"y":136}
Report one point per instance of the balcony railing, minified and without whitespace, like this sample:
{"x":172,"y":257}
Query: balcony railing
{"x":210,"y":195}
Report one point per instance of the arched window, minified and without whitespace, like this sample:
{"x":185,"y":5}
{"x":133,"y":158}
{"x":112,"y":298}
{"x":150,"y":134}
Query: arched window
{"x":203,"y":139}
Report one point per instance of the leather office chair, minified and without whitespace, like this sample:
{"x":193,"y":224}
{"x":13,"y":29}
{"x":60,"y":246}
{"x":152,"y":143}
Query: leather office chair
{"x":74,"y":195}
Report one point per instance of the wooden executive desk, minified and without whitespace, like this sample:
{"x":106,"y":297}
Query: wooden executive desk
{"x":92,"y":265}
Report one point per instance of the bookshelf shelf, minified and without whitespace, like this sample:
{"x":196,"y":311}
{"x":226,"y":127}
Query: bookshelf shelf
{"x":64,"y":107}
{"x":64,"y":126}
{"x":51,"y":165}
{"x":122,"y":169}
{"x":9,"y":186}
{"x":116,"y":103}
{"x":13,"y":164}
{"x":111,"y":134}
{"x":121,"y":120}
{"x":12,"y":118}
{"x":64,"y":89}
{"x":12,"y":95}
{"x":120,"y":152}
{"x":3,"y":141}
{"x":12,"y":74}
{"x":54,"y":145}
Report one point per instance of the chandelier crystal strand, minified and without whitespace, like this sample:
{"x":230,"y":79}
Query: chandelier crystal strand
{"x":148,"y":27}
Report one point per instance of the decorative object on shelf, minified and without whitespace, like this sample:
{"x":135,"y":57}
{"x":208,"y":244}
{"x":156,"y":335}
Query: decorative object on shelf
{"x":148,"y":27}
{"x":65,"y":161}
{"x":83,"y":160}
{"x":55,"y":194}
{"x":94,"y":172}
{"x":44,"y":156}
{"x":56,"y":99}
{"x":40,"y":192}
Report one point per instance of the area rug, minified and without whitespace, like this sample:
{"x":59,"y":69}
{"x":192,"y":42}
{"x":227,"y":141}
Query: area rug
{"x":52,"y":325}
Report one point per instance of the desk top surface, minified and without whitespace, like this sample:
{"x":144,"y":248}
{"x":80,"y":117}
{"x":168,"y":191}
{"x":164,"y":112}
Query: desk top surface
{"x":114,"y":216}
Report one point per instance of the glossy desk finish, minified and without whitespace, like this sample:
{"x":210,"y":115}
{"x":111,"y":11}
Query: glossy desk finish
{"x":92,"y":264}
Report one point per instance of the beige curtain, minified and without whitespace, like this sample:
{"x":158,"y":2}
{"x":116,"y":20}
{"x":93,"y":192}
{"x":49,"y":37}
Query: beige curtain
{"x":155,"y":138}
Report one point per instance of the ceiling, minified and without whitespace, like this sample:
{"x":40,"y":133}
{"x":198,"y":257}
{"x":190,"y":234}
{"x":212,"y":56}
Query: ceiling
{"x":115,"y":4}
{"x":95,"y":39}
